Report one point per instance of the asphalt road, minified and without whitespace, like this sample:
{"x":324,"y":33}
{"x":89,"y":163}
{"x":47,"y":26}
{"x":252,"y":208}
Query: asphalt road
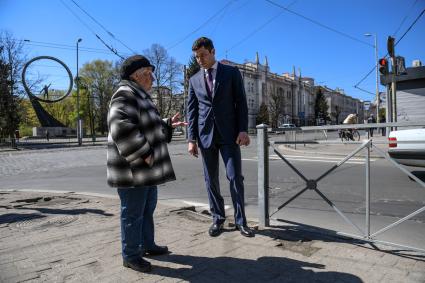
{"x":393,"y":194}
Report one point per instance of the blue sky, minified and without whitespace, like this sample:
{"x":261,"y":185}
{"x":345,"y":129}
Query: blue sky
{"x":288,"y":40}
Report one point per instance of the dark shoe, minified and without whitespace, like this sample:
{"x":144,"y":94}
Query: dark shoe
{"x":139,"y":264}
{"x":245,"y":231}
{"x":215,"y":230}
{"x":157,"y":250}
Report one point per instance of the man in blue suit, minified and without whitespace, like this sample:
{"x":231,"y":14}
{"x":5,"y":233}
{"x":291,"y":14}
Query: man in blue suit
{"x":218,"y":123}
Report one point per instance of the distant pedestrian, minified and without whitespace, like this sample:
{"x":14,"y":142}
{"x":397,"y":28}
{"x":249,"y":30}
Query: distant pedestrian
{"x":47,"y":135}
{"x":371,"y":120}
{"x":383,"y":129}
{"x":138,"y":159}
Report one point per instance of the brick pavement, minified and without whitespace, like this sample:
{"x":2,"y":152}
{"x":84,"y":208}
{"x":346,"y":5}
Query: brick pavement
{"x":47,"y":237}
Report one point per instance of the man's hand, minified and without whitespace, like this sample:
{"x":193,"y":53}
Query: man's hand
{"x":193,"y":149}
{"x":175,"y":121}
{"x":149,"y":160}
{"x":242,"y":139}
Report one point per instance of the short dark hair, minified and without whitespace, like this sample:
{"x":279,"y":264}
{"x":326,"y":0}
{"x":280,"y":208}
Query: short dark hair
{"x":203,"y":42}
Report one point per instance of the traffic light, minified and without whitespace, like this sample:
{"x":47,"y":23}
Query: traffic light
{"x":383,"y":66}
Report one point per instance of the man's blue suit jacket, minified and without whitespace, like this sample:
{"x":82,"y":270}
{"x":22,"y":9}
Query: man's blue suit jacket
{"x":227,"y":109}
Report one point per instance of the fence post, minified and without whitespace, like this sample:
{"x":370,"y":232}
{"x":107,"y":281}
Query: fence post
{"x":367,"y":199}
{"x":263,"y":175}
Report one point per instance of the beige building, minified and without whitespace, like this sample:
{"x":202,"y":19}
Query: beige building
{"x":295,"y":94}
{"x":341,"y":105}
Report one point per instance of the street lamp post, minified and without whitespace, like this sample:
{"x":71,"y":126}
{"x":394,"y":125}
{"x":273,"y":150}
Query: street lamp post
{"x":377,"y":75}
{"x":79,"y":128}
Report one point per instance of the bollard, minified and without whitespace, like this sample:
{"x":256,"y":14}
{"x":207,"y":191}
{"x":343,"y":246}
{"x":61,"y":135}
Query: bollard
{"x":13,"y":143}
{"x":263,"y":175}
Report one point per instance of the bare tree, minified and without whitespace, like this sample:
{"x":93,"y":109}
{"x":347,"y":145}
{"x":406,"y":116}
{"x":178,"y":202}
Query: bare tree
{"x":13,"y":54}
{"x":276,"y":106}
{"x":168,"y":74}
{"x":11,"y":62}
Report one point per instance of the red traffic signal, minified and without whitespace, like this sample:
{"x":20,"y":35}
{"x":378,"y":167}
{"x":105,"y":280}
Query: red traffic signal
{"x":383,"y":66}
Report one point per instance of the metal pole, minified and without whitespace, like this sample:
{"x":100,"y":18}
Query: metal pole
{"x":394,"y":92}
{"x":263,"y":175}
{"x":79,"y":138}
{"x":388,"y":115}
{"x":184,"y":98}
{"x":367,"y":167}
{"x":12,"y":83}
{"x":377,"y":83}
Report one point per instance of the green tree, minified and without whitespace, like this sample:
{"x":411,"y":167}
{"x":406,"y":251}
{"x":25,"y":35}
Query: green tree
{"x":9,"y":102}
{"x":321,"y":106}
{"x":263,"y":115}
{"x":336,"y":114}
{"x":382,"y":114}
{"x":193,"y":67}
{"x":63,"y":110}
{"x":28,"y":117}
{"x":100,"y":78}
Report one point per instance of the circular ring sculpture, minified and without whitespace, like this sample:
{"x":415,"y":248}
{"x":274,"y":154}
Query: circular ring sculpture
{"x":27,"y":88}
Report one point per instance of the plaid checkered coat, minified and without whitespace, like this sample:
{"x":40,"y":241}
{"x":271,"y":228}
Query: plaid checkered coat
{"x":135,"y":132}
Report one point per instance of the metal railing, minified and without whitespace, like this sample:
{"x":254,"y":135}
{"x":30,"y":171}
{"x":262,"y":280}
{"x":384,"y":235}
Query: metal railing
{"x":263,"y":144}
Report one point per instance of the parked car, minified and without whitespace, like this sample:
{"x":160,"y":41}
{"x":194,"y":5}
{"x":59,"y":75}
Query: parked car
{"x":287,"y":126}
{"x":410,"y":154}
{"x":282,"y":127}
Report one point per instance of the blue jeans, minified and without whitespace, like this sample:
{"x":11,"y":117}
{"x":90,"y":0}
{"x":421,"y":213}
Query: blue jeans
{"x":137,"y":227}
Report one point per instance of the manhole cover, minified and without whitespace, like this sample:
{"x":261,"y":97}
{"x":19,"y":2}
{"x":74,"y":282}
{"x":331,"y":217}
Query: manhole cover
{"x":46,"y":222}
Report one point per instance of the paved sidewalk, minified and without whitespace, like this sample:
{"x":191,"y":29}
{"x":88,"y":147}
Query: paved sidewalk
{"x":65,"y":237}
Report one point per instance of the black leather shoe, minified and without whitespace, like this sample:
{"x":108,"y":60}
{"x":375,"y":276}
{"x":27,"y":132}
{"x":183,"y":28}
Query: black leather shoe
{"x":245,"y":231}
{"x":215,"y":230}
{"x":139,"y":264}
{"x":157,"y":250}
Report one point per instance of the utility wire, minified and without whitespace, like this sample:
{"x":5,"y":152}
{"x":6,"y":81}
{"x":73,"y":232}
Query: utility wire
{"x":107,"y":31}
{"x":320,"y":24}
{"x":219,"y":21}
{"x":67,"y":47}
{"x":404,"y":19}
{"x":63,"y":45}
{"x":259,"y":28}
{"x":201,"y":26}
{"x":395,"y":44}
{"x":113,"y":50}
{"x":410,"y":27}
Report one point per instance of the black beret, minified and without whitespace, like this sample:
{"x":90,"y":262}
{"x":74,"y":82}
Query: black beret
{"x":132,"y":64}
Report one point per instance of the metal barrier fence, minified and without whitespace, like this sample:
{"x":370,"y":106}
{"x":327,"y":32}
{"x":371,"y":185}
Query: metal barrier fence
{"x":15,"y":143}
{"x":263,"y":144}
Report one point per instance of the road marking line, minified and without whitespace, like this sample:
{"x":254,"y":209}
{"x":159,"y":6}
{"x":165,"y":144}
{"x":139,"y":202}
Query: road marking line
{"x":200,"y":204}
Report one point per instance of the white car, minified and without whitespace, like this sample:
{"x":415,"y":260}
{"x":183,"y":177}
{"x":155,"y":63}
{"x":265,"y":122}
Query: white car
{"x":411,"y":154}
{"x":282,"y":128}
